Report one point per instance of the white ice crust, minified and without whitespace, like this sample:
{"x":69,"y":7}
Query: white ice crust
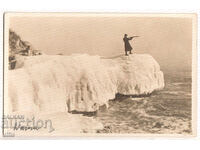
{"x":80,"y":82}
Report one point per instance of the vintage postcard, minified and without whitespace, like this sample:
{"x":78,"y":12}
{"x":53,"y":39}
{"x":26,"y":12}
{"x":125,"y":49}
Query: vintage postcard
{"x":100,"y":74}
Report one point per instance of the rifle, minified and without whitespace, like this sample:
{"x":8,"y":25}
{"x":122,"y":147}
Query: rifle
{"x":133,"y":37}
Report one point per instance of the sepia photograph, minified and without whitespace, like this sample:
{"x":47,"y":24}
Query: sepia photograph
{"x":100,"y":74}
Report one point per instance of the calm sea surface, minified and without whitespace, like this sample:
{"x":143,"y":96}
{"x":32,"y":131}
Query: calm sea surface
{"x":165,"y":111}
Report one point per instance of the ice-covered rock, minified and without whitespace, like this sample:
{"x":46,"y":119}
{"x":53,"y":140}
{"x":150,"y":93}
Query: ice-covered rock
{"x":80,"y":82}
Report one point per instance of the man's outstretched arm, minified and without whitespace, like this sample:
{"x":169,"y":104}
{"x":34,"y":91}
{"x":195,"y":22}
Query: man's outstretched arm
{"x":133,"y":37}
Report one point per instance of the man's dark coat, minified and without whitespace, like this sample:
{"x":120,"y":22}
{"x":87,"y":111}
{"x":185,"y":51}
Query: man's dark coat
{"x":127,"y":44}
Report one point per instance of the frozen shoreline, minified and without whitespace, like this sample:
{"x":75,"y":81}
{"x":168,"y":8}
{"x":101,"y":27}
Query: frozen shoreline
{"x":80,"y":82}
{"x":48,"y":85}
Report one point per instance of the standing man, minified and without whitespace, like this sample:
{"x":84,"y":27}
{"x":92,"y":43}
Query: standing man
{"x":127,"y":44}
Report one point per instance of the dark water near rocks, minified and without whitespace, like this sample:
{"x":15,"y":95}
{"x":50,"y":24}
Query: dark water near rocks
{"x":165,"y":111}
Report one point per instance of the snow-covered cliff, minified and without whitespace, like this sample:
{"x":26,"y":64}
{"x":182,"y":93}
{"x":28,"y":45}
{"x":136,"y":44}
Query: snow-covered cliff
{"x":79,"y":82}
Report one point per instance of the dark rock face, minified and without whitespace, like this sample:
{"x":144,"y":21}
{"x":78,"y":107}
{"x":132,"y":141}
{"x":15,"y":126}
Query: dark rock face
{"x":16,"y":45}
{"x":19,"y":47}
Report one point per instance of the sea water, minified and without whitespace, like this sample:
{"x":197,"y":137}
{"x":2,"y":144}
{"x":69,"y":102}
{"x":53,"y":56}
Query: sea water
{"x":167,"y":111}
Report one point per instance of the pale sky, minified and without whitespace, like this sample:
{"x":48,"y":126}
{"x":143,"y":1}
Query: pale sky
{"x":168,"y":40}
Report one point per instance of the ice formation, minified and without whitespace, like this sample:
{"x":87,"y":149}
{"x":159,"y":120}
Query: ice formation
{"x":52,"y":83}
